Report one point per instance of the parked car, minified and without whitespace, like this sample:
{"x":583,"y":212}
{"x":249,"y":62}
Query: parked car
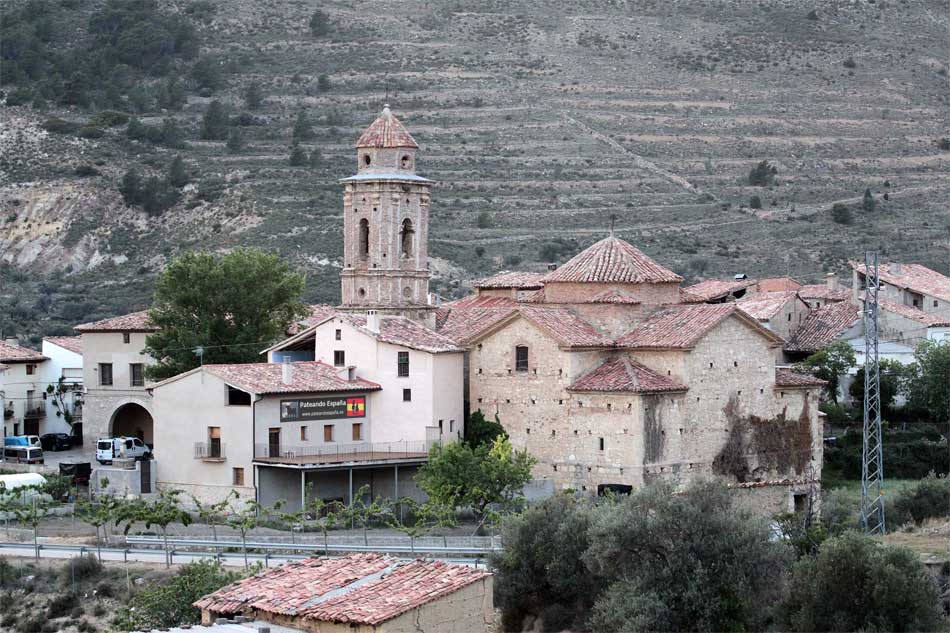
{"x":23,"y":454}
{"x":56,"y":441}
{"x":109,"y":448}
{"x":22,"y":440}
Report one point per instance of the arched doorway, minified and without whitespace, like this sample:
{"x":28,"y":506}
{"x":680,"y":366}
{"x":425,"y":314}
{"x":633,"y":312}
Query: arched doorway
{"x":132,"y":420}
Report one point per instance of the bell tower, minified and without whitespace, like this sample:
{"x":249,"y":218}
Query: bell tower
{"x":386,"y":226}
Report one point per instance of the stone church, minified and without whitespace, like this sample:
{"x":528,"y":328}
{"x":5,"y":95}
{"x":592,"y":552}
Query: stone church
{"x":603,"y":368}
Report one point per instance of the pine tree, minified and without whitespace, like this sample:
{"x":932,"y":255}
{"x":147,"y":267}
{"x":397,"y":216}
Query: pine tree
{"x":323,"y":83}
{"x":172,"y":135}
{"x":869,"y":203}
{"x":214,"y":123}
{"x":316,"y":160}
{"x":252,"y":96}
{"x":130,"y":188}
{"x":298,"y":157}
{"x":177,"y":174}
{"x":235,"y":142}
{"x":302,"y":130}
{"x":319,"y":23}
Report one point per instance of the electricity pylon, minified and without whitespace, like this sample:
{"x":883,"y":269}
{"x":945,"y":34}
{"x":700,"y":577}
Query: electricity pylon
{"x":872,"y":457}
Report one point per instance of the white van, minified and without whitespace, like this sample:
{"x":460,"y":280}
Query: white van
{"x":109,"y":448}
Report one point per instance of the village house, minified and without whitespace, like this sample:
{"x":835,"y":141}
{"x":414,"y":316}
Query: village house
{"x":782,"y":312}
{"x":361,"y":593}
{"x":818,"y":295}
{"x":911,"y":285}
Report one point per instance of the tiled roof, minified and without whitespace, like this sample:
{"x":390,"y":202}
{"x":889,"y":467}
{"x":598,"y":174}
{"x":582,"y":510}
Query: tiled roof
{"x":386,"y":131}
{"x":915,"y":314}
{"x":914,"y":277}
{"x":765,"y":305}
{"x":515,"y":279}
{"x":565,"y":327}
{"x":822,"y":291}
{"x":462,"y":325}
{"x":71,"y":343}
{"x":319,"y":312}
{"x":718,"y":288}
{"x":681,"y":327}
{"x":308,"y":376}
{"x":778,"y":284}
{"x":405,"y":332}
{"x":785,"y":377}
{"x":482,"y":301}
{"x":688,"y":297}
{"x":612,"y":260}
{"x":10,"y":353}
{"x":535,"y":297}
{"x":134,"y":322}
{"x":613,"y":296}
{"x":822,"y":327}
{"x":364,"y":589}
{"x":620,"y":373}
{"x":773,"y":482}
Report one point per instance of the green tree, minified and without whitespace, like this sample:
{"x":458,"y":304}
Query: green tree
{"x":171,"y":94}
{"x":695,"y":561}
{"x":490,"y":475}
{"x":215,"y":122}
{"x":927,"y":380}
{"x":480,"y":431}
{"x":868,"y":203}
{"x":30,"y":511}
{"x":541,"y":571}
{"x":841,"y":214}
{"x":323,"y":83}
{"x":363,"y":513}
{"x":157,"y":196}
{"x":160,"y":511}
{"x":422,"y":519}
{"x":177,"y":174}
{"x":209,"y":513}
{"x":244,"y":519}
{"x":130,"y":188}
{"x":98,"y":512}
{"x":207,"y":74}
{"x":235,"y":141}
{"x":316,"y":159}
{"x":292,"y":518}
{"x":319,"y":23}
{"x":892,"y":378}
{"x":324,"y":514}
{"x":856,"y":584}
{"x":830,"y":364}
{"x":298,"y":157}
{"x":202,"y":300}
{"x":302,"y":129}
{"x":65,"y":398}
{"x":172,"y":134}
{"x":763,"y":174}
{"x":485,"y":220}
{"x":252,"y":96}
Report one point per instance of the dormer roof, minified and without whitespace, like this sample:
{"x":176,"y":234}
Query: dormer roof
{"x":386,"y":132}
{"x":612,"y":260}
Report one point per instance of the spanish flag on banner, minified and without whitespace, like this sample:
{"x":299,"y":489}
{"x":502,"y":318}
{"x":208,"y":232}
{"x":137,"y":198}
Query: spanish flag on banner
{"x":355,"y":407}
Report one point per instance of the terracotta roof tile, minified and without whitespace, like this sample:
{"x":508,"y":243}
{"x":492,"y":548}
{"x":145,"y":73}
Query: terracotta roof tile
{"x":71,"y":343}
{"x":10,"y":353}
{"x":765,"y":305}
{"x":785,"y":377}
{"x":405,"y":332}
{"x":360,"y":589}
{"x":822,"y":291}
{"x":613,"y":296}
{"x":307,"y":377}
{"x":535,"y":297}
{"x":915,"y":314}
{"x":822,"y":327}
{"x":677,"y":328}
{"x":565,"y":327}
{"x":482,"y":301}
{"x":712,"y":289}
{"x":134,"y":322}
{"x":620,"y":373}
{"x":465,"y":324}
{"x":612,"y":260}
{"x":319,"y":312}
{"x":688,"y":297}
{"x":913,"y":277}
{"x":515,"y":279}
{"x":778,"y":284}
{"x":773,"y":482}
{"x":386,"y":131}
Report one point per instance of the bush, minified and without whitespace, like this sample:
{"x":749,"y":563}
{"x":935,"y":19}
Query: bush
{"x":763,"y":174}
{"x":868,"y":203}
{"x":854,"y":584}
{"x":929,"y":498}
{"x":512,"y":260}
{"x":90,"y":131}
{"x":61,"y":604}
{"x":86,"y":171}
{"x":80,"y":568}
{"x":109,"y":118}
{"x":56,"y":125}
{"x":319,"y":23}
{"x":943,"y":144}
{"x":841,"y":214}
{"x":484,"y":220}
{"x":839,"y":512}
{"x":169,"y":604}
{"x":850,"y":63}
{"x":105,"y":590}
{"x":755,"y":202}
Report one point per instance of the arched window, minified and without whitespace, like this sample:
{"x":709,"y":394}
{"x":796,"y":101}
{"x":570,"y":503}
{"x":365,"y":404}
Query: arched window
{"x":407,"y":237}
{"x":366,"y":159}
{"x":405,"y":162}
{"x":521,"y":358}
{"x":364,"y":238}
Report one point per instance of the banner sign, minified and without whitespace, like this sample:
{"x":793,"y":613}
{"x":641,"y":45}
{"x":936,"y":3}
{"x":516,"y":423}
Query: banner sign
{"x":322,"y":408}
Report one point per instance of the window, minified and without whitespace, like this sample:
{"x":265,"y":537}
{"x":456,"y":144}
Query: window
{"x":800,"y":503}
{"x":402,"y":364}
{"x":327,"y":432}
{"x":521,"y":358}
{"x":789,"y":315}
{"x":303,"y":434}
{"x":238,"y":398}
{"x":451,"y":426}
{"x":105,"y":374}
{"x":357,"y":432}
{"x":237,"y":476}
{"x":136,"y":375}
{"x":404,"y":162}
{"x":126,"y":338}
{"x":214,"y":441}
{"x":30,"y":370}
{"x":936,"y":303}
{"x":406,"y":234}
{"x":364,"y":238}
{"x":339,"y":358}
{"x":366,"y":159}
{"x":440,"y":426}
{"x":338,"y":335}
{"x":407,"y":395}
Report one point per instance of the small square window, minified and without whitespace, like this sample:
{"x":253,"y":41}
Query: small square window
{"x":407,"y":395}
{"x":327,"y":432}
{"x":237,"y":476}
{"x":339,"y":335}
{"x":339,"y":358}
{"x":126,"y":338}
{"x":30,"y":370}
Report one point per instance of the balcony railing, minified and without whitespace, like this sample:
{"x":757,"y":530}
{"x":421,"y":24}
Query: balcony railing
{"x":7,"y":413}
{"x":210,"y":451}
{"x":334,"y":453}
{"x":35,"y":411}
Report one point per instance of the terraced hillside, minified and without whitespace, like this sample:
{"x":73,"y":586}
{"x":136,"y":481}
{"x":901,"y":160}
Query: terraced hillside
{"x":539,"y":121}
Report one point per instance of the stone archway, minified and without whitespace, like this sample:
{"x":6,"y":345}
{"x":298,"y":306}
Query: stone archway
{"x":132,"y":420}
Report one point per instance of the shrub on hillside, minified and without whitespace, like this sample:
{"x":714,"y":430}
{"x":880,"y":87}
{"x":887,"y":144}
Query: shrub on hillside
{"x":929,"y":498}
{"x":56,"y":125}
{"x":109,"y":118}
{"x":763,"y":174}
{"x":841,"y":214}
{"x":755,"y":202}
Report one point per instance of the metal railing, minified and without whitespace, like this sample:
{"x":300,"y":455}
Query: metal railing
{"x":209,"y":450}
{"x":343,"y":452}
{"x":35,"y":411}
{"x":8,"y":413}
{"x":418,"y":548}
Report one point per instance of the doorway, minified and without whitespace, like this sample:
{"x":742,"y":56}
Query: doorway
{"x":273,"y":442}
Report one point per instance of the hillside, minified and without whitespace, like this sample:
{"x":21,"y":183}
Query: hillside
{"x":538,"y":121}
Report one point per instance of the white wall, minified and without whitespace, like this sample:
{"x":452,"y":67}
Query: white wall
{"x":109,"y":347}
{"x":62,"y":363}
{"x":16,"y":385}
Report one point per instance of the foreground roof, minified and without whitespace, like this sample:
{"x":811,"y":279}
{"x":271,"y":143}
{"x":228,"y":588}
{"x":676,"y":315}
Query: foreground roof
{"x":915,"y":314}
{"x":134,"y":322}
{"x":681,"y":327}
{"x":71,"y":343}
{"x":765,"y":305}
{"x":712,"y":289}
{"x":913,"y":277}
{"x":785,"y":377}
{"x":267,"y":378}
{"x":10,"y":353}
{"x":822,"y":327}
{"x":511,"y":279}
{"x":778,"y":284}
{"x":386,"y":131}
{"x":405,"y":332}
{"x":623,"y":374}
{"x":358,"y":589}
{"x":612,"y":260}
{"x":565,"y":327}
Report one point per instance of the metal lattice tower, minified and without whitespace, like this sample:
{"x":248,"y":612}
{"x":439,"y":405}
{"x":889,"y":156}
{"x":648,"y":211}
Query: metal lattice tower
{"x":872,"y":463}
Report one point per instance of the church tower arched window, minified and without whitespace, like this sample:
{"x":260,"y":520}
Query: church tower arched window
{"x":364,"y":238}
{"x":406,"y":233}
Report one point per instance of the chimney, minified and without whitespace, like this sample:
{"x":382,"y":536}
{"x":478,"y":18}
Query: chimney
{"x":552,"y":266}
{"x":287,"y":371}
{"x":12,"y":340}
{"x":895,"y":268}
{"x":372,"y":321}
{"x":831,"y":280}
{"x":347,"y":373}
